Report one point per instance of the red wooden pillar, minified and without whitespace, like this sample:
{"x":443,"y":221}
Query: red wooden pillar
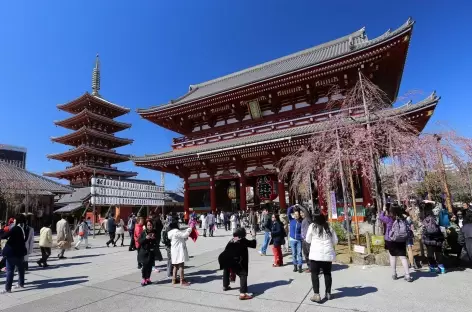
{"x":186,"y":200}
{"x":212,"y":194}
{"x":242,"y":192}
{"x":281,"y":191}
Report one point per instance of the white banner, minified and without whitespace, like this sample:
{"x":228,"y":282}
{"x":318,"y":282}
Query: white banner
{"x":334,"y":209}
{"x":115,"y":192}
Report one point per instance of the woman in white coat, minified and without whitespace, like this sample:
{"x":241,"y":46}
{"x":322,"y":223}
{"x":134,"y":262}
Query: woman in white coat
{"x":204,"y":220}
{"x":29,"y":244}
{"x":178,"y":251}
{"x":322,"y":238}
{"x":234,"y":222}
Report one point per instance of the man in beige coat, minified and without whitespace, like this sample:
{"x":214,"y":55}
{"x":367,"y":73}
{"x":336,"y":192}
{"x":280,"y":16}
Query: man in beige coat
{"x":64,"y":236}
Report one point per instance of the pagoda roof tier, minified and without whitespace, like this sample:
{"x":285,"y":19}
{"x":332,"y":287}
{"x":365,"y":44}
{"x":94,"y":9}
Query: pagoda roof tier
{"x":86,"y":117}
{"x":87,"y":101}
{"x":70,"y":139}
{"x":83,"y":149}
{"x":266,"y":74}
{"x":64,"y":174}
{"x":423,"y":109}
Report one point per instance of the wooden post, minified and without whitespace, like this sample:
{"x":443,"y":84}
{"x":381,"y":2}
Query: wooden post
{"x":212,"y":194}
{"x":281,"y":191}
{"x":242,"y":192}
{"x":367,"y":240}
{"x":186,"y":200}
{"x":344,"y":191}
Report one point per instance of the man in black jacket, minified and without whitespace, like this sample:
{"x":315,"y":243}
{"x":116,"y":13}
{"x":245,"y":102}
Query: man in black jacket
{"x":234,"y":260}
{"x":111,"y":227}
{"x":14,"y":252}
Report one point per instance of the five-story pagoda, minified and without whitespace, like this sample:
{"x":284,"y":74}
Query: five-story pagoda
{"x":93,"y":140}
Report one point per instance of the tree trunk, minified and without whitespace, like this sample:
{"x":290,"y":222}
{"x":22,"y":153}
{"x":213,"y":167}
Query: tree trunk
{"x":343,"y":186}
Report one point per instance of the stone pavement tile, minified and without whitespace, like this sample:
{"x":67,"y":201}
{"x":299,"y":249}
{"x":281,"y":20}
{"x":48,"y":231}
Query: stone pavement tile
{"x":65,"y":301}
{"x":372,"y":289}
{"x":218,"y":300}
{"x":310,"y":307}
{"x":264,"y":281}
{"x":37,"y":286}
{"x":116,"y":285}
{"x":126,"y":303}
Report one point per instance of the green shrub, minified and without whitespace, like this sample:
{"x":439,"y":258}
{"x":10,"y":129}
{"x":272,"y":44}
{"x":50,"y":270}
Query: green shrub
{"x":339,"y":230}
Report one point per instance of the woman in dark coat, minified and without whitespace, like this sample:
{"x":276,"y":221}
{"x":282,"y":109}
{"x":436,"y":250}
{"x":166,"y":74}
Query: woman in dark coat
{"x":234,"y":260}
{"x":148,"y":244}
{"x":465,"y":239}
{"x":277,"y":240}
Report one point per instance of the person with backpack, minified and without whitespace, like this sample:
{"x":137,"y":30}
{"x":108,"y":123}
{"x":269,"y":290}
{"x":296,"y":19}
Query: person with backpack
{"x":234,"y":260}
{"x":396,"y":236}
{"x":167,"y":244}
{"x":130,"y":226}
{"x":433,"y":239}
{"x":120,"y":230}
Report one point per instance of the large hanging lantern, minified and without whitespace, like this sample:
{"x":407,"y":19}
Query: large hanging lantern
{"x":266,"y":189}
{"x":232,"y":190}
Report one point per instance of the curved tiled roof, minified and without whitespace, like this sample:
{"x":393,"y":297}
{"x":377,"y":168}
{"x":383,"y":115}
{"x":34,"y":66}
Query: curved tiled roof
{"x":86,"y":113}
{"x":341,"y":47}
{"x":90,"y":169}
{"x":90,"y":150}
{"x":309,"y":129}
{"x":92,"y":132}
{"x":14,"y":179}
{"x":87,"y":96}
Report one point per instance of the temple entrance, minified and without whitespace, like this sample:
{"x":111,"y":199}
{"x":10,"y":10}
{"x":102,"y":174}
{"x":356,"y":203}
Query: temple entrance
{"x":227,"y":195}
{"x":199,"y":200}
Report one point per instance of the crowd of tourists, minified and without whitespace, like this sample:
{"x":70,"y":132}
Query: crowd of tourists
{"x":307,"y":235}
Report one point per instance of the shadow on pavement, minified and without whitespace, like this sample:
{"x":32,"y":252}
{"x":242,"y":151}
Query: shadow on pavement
{"x":54,"y":283}
{"x":86,"y":256}
{"x":356,"y":291}
{"x":55,"y":266}
{"x":201,"y":272}
{"x":259,"y":289}
{"x":423,"y":274}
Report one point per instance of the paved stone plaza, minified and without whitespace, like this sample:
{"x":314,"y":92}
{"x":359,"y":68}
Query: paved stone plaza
{"x":106,"y":279}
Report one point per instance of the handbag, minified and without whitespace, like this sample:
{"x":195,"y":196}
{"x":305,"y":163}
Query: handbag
{"x":7,"y":251}
{"x":81,"y":233}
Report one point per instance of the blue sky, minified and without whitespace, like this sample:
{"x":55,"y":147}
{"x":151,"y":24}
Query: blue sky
{"x":151,"y":51}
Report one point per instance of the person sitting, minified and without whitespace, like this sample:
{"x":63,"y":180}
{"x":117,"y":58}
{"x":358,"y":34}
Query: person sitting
{"x":234,"y":260}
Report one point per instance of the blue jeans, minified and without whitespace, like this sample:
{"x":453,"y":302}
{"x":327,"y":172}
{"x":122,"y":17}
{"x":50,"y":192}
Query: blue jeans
{"x":266,"y":242}
{"x":13,"y":262}
{"x":296,"y":246}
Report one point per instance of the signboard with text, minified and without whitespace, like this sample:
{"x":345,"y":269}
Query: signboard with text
{"x":115,"y":192}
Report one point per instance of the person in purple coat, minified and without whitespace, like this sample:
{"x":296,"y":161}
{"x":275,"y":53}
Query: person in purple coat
{"x":395,"y":248}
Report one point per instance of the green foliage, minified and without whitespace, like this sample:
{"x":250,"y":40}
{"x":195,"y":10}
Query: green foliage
{"x":339,"y":230}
